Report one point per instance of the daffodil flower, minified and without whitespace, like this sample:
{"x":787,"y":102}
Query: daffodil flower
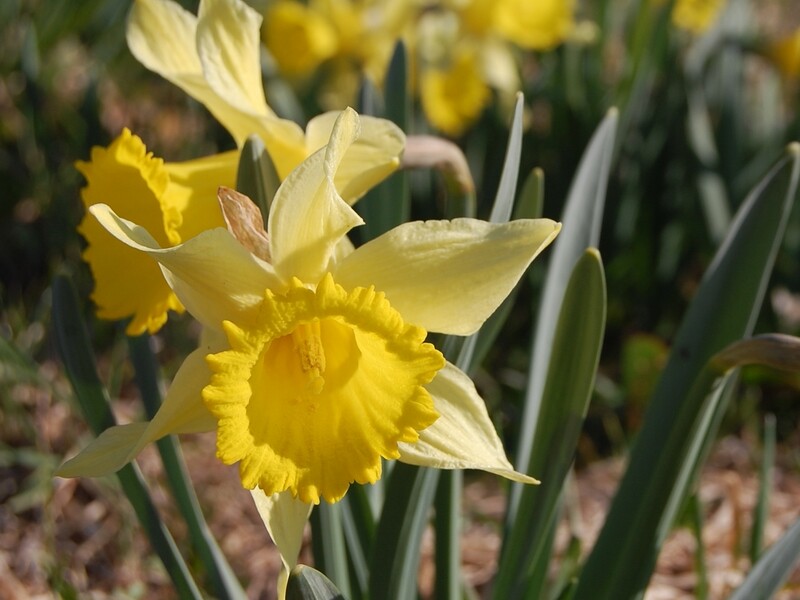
{"x":314,"y":366}
{"x":176,"y":201}
{"x":215,"y":57}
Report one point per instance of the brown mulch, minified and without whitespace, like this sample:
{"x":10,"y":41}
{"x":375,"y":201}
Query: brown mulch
{"x":79,"y":538}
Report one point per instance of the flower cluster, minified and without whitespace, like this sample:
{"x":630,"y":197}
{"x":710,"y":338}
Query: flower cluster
{"x":314,"y":364}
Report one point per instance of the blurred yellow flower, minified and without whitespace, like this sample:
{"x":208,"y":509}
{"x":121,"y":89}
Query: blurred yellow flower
{"x":314,"y":366}
{"x":215,"y":57}
{"x":174,"y":200}
{"x":298,"y":37}
{"x":785,"y":53}
{"x":696,"y":16}
{"x":454,"y":97}
{"x":539,"y":25}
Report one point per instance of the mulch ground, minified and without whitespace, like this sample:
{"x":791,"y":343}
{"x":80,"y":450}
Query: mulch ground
{"x":79,"y":538}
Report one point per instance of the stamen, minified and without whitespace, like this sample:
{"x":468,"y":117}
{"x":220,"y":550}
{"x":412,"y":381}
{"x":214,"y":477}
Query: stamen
{"x":307,"y":339}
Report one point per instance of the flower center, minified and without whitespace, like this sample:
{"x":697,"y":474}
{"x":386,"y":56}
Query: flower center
{"x":307,"y":339}
{"x":326,"y":383}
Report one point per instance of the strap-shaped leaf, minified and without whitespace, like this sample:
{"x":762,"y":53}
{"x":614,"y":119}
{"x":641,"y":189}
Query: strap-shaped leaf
{"x":570,"y":381}
{"x":256,"y":176}
{"x":772,"y":569}
{"x":306,"y":583}
{"x":679,"y":418}
{"x":581,"y":220}
{"x":72,"y":341}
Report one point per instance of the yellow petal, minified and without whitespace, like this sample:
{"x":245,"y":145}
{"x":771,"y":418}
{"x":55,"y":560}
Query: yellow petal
{"x":192,"y":191}
{"x":197,"y":56}
{"x":325,"y":386}
{"x":308,"y":217}
{"x":447,"y":276}
{"x":696,"y":16}
{"x":298,"y":37}
{"x":285,"y":519}
{"x":373,"y":156}
{"x":105,"y":455}
{"x":161,"y":35}
{"x":463,"y":437}
{"x":454,"y":98}
{"x":540,"y":25}
{"x":214,"y":275}
{"x":228,"y":44}
{"x":136,"y":184}
{"x":182,"y":412}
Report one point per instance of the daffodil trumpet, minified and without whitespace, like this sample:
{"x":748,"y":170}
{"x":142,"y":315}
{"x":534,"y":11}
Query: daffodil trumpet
{"x":314,"y":364}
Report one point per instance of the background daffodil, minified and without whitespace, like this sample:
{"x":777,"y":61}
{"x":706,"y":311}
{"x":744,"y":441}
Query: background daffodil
{"x":215,"y":57}
{"x":315,"y":364}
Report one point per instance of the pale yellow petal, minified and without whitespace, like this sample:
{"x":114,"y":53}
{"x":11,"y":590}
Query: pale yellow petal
{"x":447,"y":276}
{"x":285,"y":519}
{"x":106,"y":454}
{"x":308,"y":217}
{"x":369,"y":160}
{"x":161,"y":35}
{"x":228,"y":44}
{"x":170,"y":41}
{"x":183,"y":411}
{"x":192,"y":192}
{"x":212,"y":274}
{"x":463,"y":437}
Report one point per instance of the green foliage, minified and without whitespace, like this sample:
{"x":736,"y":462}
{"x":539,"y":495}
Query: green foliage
{"x":654,"y":147}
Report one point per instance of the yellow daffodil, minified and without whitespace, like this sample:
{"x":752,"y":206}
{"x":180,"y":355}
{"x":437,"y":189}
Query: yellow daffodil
{"x":454,"y":97}
{"x":696,"y":16}
{"x":314,"y":365}
{"x":298,"y":37}
{"x":170,"y":199}
{"x":176,"y":201}
{"x":215,"y":57}
{"x":785,"y":53}
{"x":540,"y":25}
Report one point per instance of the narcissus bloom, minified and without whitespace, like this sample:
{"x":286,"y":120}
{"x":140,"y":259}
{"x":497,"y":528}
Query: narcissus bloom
{"x":170,"y":199}
{"x":176,"y":201}
{"x":696,"y":16}
{"x":215,"y":57}
{"x":314,"y":365}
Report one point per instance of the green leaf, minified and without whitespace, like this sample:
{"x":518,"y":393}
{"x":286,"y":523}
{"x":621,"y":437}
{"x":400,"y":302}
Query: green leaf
{"x":772,"y":569}
{"x":306,"y":583}
{"x":389,"y":203}
{"x":582,"y":218}
{"x":570,"y":380}
{"x":256,"y":176}
{"x":761,"y":509}
{"x":507,"y":188}
{"x":72,"y":342}
{"x":678,"y":422}
{"x":328,"y":542}
{"x":217,"y":569}
{"x":395,"y":559}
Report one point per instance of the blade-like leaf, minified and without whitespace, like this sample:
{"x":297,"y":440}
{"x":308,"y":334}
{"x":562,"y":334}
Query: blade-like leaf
{"x":678,"y":420}
{"x":772,"y":569}
{"x":582,"y":217}
{"x":218,"y":571}
{"x":72,"y":342}
{"x":327,"y":537}
{"x":306,"y":583}
{"x":570,"y":380}
{"x":389,"y":203}
{"x":409,"y":494}
{"x":507,"y":188}
{"x":256,"y":176}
